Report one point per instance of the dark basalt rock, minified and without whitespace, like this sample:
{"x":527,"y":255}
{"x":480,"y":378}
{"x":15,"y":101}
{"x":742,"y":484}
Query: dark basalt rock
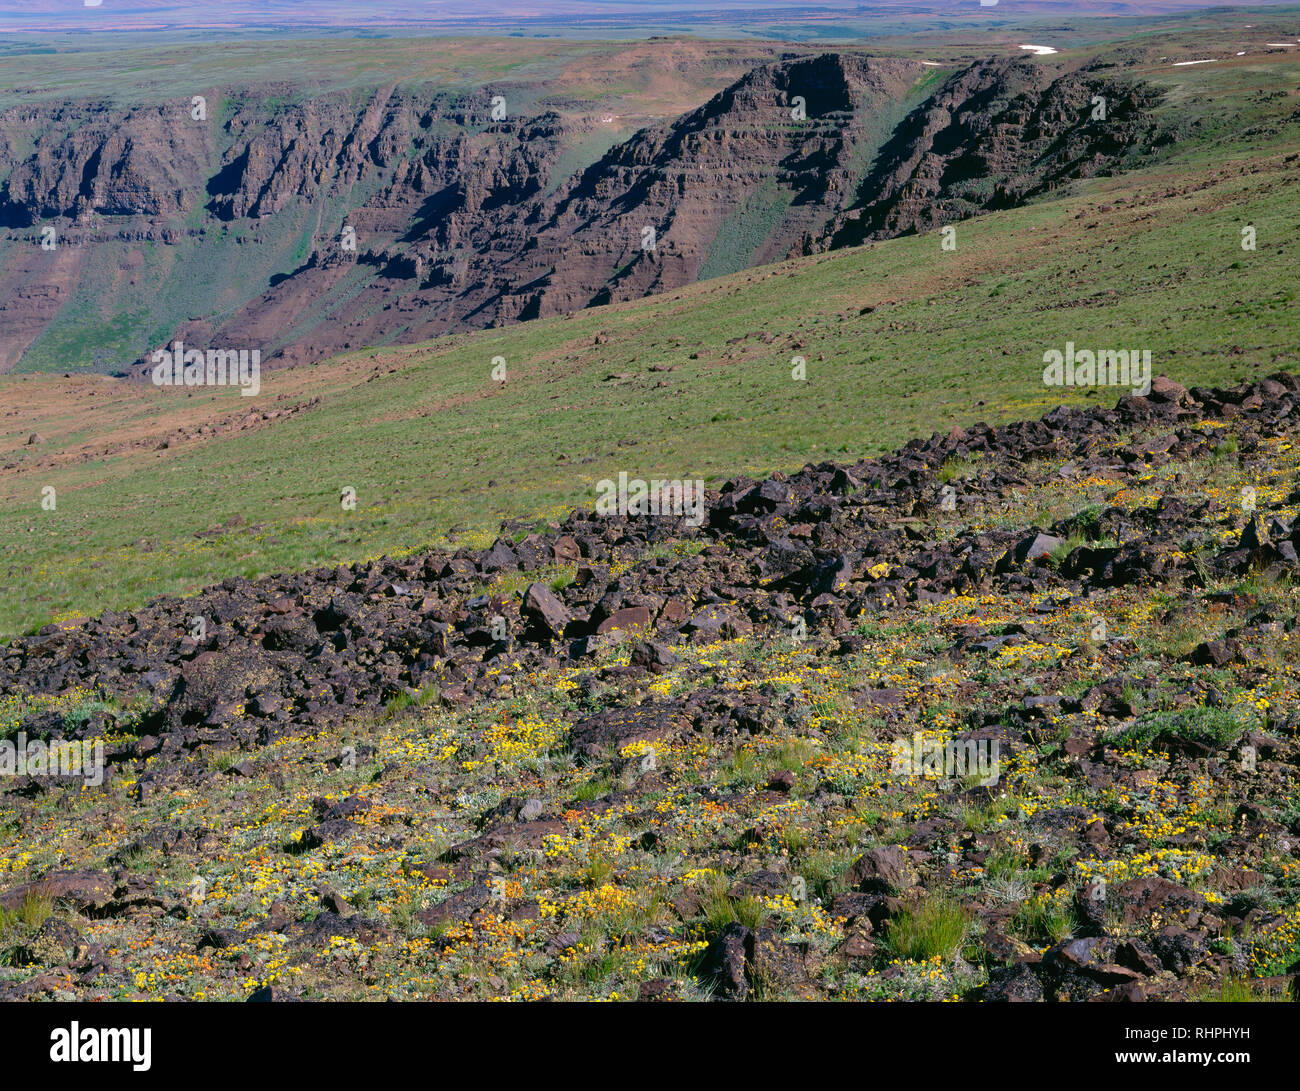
{"x":290,"y":652}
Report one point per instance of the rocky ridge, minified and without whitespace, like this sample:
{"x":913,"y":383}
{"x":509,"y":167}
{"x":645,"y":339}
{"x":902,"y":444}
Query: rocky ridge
{"x":809,"y":545}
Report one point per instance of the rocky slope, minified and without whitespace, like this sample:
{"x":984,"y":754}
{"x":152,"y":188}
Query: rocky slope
{"x":995,"y":136}
{"x":627,"y":756}
{"x":465,"y":219}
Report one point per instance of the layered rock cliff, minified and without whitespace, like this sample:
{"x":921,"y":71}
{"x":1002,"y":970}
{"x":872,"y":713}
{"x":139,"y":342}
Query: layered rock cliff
{"x":302,"y":225}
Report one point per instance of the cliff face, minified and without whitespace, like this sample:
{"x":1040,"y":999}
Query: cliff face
{"x":463,"y":219}
{"x":669,"y":205}
{"x":141,"y":163}
{"x":994,"y":136}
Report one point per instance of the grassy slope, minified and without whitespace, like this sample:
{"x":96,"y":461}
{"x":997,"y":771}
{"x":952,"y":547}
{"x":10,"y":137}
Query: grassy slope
{"x":632,"y":872}
{"x":431,"y":444}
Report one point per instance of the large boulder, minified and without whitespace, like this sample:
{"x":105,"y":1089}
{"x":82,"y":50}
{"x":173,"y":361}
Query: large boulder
{"x":884,"y":870}
{"x":616,"y":728}
{"x":544,"y":611}
{"x":215,"y":686}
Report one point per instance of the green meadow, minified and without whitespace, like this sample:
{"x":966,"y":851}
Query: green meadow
{"x":900,"y":339}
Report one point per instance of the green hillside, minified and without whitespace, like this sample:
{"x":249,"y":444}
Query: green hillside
{"x":900,"y":338}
